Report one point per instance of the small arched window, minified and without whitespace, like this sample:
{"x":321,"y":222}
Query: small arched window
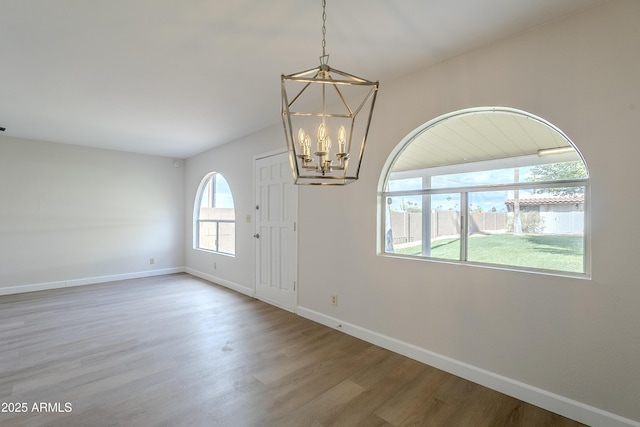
{"x":490,"y":186}
{"x":215,"y":217}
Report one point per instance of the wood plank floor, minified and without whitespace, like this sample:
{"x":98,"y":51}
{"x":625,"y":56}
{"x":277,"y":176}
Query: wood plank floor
{"x":178,"y":351}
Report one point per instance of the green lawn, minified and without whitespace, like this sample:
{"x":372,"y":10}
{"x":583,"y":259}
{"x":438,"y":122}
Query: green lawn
{"x":552,"y":252}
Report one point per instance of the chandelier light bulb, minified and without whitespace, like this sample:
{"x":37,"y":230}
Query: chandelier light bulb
{"x":342,"y":139}
{"x":307,"y":145}
{"x":304,"y":141}
{"x":322,"y":132}
{"x":327,"y":144}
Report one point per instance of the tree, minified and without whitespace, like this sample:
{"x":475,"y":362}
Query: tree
{"x":557,"y":172}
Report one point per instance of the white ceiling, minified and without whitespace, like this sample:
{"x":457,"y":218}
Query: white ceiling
{"x":176,"y":78}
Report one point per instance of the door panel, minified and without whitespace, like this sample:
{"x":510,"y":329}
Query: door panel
{"x":276,"y":247}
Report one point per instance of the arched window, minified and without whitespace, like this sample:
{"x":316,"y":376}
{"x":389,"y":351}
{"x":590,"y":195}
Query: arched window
{"x":215,"y":217}
{"x":490,"y":186}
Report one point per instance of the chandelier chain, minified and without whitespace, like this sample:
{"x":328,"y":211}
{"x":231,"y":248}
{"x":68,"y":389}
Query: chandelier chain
{"x":324,"y":26}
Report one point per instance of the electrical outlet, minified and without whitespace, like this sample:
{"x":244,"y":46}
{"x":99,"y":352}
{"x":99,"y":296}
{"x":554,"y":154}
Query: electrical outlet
{"x":334,"y":300}
{"x":152,"y":261}
{"x":215,"y":266}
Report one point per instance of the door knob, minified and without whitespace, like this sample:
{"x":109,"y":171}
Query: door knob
{"x":257,"y":235}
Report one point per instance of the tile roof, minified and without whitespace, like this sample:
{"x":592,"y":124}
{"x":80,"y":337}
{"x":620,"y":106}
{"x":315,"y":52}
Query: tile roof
{"x":547,"y":199}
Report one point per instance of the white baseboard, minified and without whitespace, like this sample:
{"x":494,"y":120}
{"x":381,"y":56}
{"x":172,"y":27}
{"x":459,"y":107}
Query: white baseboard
{"x":219,"y":281}
{"x":115,"y":277}
{"x":550,"y":401}
{"x":87,"y":281}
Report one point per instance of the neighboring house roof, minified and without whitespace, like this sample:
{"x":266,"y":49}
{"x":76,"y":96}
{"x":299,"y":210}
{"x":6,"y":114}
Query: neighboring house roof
{"x":545,"y":199}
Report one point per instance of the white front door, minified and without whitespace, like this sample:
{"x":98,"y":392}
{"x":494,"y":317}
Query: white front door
{"x":276,"y":240}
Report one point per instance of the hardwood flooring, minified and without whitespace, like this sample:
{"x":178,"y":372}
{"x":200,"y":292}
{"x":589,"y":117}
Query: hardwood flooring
{"x":178,"y":351}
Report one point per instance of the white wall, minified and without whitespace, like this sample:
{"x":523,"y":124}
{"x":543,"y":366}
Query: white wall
{"x":578,"y":339}
{"x":73,"y":215}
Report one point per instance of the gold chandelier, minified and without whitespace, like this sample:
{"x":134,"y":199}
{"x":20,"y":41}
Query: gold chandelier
{"x":322,"y":105}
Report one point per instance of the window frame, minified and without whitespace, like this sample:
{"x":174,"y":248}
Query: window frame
{"x":464,"y":192}
{"x":200,"y":194}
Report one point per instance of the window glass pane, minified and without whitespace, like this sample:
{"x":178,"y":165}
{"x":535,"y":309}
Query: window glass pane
{"x":538,"y":228}
{"x":546,"y":172}
{"x":226,"y":238}
{"x":404,"y":230}
{"x":444,"y":226}
{"x":468,"y":179}
{"x":409,"y":232}
{"x":404,"y":184}
{"x":222,"y":193}
{"x":216,"y":195}
{"x":207,"y":235}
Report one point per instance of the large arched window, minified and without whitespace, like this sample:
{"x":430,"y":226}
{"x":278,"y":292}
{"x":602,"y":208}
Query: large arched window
{"x":488,"y":186}
{"x":215,"y":217}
